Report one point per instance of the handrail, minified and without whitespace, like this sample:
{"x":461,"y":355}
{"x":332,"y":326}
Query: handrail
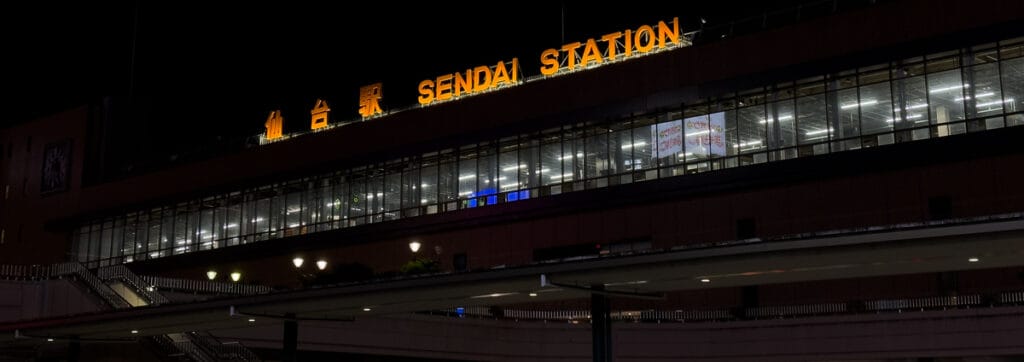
{"x":141,"y":284}
{"x":196,"y":347}
{"x":777,"y":311}
{"x":923,"y":303}
{"x":124,"y":274}
{"x":93,"y":282}
{"x":220,"y":351}
{"x":40,"y":272}
{"x":205,"y":286}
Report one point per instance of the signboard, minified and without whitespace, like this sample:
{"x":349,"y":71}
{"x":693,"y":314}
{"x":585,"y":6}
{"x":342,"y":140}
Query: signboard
{"x":612,"y":47}
{"x":705,"y":135}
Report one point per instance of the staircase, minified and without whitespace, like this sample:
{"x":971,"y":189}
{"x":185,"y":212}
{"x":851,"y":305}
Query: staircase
{"x":117,"y":285}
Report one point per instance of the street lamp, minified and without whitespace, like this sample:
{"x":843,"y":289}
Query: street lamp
{"x":414,"y":246}
{"x":321,"y":264}
{"x":236,"y":276}
{"x":298,"y":262}
{"x":212,"y":274}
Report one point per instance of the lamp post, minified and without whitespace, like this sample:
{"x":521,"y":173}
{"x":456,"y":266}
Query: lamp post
{"x":418,"y":265}
{"x":304,"y":277}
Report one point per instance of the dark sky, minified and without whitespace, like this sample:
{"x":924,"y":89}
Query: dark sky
{"x":219,"y":68}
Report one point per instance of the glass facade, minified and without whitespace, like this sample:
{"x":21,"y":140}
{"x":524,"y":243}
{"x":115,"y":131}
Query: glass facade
{"x":966,"y":90}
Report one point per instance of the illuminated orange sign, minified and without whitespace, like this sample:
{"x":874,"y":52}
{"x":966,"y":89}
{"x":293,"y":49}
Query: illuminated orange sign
{"x":273,"y":125}
{"x":483,"y":78}
{"x":319,"y":112}
{"x":575,"y":56}
{"x":369,"y":100}
{"x":618,"y":45}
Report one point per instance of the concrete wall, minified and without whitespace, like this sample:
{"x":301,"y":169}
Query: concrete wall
{"x":24,"y":210}
{"x":21,"y":300}
{"x":950,"y":334}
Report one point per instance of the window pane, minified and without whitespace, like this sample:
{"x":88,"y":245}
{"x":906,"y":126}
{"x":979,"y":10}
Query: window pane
{"x":644,"y":148}
{"x":844,"y":119}
{"x":983,"y":97}
{"x":141,"y":236}
{"x":233,"y":218}
{"x":375,"y":194}
{"x":467,"y":177}
{"x":411,"y":186}
{"x":811,"y":119}
{"x":487,"y":175}
{"x":781,"y":125}
{"x":751,"y":129}
{"x":128,"y":248}
{"x":551,"y":160}
{"x":529,"y":155}
{"x":696,"y":131}
{"x":597,"y":155}
{"x":448,"y":184}
{"x":1013,"y":84}
{"x":393,"y":192}
{"x":357,"y":199}
{"x":508,"y":167}
{"x":205,"y":235}
{"x":428,"y":184}
{"x":945,"y":93}
{"x":910,"y":106}
{"x":876,"y":108}
{"x":670,"y":138}
{"x":117,"y":240}
{"x":293,"y":207}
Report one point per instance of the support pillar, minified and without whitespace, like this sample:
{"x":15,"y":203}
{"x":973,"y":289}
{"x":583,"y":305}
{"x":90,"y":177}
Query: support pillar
{"x":291,"y":338}
{"x":601,"y":325}
{"x":74,"y":349}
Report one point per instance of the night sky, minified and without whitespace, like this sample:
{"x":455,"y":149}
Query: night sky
{"x":205,"y":71}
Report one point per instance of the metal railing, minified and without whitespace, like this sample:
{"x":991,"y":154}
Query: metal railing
{"x":194,"y":352}
{"x":126,"y":276}
{"x":780,"y":311}
{"x":955,"y":301}
{"x":795,"y":310}
{"x":204,"y":286}
{"x":1011,"y":298}
{"x":164,"y":345}
{"x":192,"y":345}
{"x":221,"y":351}
{"x":687,"y":315}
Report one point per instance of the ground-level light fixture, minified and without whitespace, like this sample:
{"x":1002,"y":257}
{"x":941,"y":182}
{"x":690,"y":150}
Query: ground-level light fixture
{"x":414,"y":246}
{"x":236,"y":276}
{"x":135,"y":331}
{"x":321,"y":264}
{"x":973,"y":260}
{"x":366,"y":309}
{"x":252,"y":320}
{"x":212,"y":274}
{"x":49,"y":339}
{"x":705,"y":280}
{"x":533,"y":294}
{"x":297,"y":262}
